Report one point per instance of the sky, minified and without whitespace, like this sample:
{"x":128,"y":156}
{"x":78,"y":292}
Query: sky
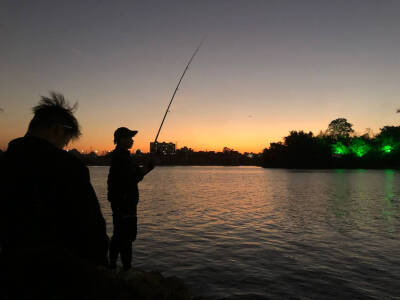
{"x":265,"y":68}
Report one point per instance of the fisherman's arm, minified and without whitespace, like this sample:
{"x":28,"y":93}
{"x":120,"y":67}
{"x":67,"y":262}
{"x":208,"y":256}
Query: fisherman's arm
{"x":148,"y":167}
{"x":138,"y":172}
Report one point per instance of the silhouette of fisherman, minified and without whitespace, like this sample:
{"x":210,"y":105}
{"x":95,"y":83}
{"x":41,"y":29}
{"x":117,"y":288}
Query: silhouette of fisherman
{"x":51,"y":227}
{"x":123,"y":193}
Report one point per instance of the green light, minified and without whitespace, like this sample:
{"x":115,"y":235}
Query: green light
{"x":359,"y":147}
{"x":339,"y":149}
{"x":387,"y":148}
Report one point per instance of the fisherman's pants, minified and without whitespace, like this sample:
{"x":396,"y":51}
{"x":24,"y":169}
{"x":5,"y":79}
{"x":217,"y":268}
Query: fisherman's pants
{"x":125,"y":231}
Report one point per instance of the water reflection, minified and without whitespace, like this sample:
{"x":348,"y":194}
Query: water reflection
{"x":389,"y":210}
{"x":270,"y":233}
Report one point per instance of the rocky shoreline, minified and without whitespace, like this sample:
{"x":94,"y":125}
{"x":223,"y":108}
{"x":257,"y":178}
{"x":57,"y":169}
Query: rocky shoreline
{"x":144,"y":285}
{"x":59,"y":276}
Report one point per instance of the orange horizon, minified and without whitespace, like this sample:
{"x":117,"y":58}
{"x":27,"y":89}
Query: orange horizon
{"x":145,"y":147}
{"x":208,"y":136}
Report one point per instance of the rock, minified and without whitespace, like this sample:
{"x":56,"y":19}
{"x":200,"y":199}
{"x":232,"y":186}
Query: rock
{"x":152,"y":285}
{"x":65,"y":277}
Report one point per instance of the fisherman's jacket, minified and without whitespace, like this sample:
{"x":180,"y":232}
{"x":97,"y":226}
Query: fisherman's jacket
{"x":123,"y":179}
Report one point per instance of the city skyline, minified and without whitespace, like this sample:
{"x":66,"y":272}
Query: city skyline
{"x":265,"y":68}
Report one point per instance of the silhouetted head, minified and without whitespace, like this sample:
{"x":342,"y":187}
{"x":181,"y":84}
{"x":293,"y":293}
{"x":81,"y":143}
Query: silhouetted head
{"x":54,"y":121}
{"x":123,"y":137}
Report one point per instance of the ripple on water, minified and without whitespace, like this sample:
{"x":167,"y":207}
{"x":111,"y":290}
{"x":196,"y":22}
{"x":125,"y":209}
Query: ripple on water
{"x":252,"y":233}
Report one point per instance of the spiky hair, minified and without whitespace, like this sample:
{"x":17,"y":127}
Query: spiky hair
{"x":55,"y":110}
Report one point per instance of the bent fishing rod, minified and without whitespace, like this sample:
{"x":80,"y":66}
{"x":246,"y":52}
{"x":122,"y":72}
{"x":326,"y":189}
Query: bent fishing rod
{"x":176,"y":89}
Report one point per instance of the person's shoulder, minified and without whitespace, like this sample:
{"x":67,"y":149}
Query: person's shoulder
{"x":72,"y":166}
{"x":16,"y":144}
{"x":73,"y":159}
{"x":120,"y":154}
{"x":16,"y":141}
{"x":24,"y":148}
{"x":70,"y":159}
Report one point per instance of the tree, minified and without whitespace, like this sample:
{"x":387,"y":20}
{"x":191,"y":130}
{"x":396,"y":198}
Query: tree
{"x":227,"y":150}
{"x":389,"y":139}
{"x":275,"y":156}
{"x":391,"y":132}
{"x":299,"y":140}
{"x":340,"y":128}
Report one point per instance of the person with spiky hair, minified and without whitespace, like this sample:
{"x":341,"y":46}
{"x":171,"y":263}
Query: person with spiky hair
{"x":54,"y":121}
{"x":50,"y":217}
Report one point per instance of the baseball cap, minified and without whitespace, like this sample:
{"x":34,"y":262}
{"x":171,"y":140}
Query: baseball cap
{"x":124,"y":132}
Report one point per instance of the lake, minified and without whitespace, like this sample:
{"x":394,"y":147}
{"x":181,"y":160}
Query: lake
{"x":254,"y":233}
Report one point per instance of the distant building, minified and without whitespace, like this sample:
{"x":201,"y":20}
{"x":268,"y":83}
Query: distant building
{"x":185,"y":149}
{"x":162,"y":148}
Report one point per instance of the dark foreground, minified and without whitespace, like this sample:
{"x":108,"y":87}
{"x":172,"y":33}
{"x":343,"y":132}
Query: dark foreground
{"x":64,"y":278}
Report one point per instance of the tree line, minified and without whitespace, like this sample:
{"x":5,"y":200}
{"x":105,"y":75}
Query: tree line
{"x":336,"y":147}
{"x":181,"y":157}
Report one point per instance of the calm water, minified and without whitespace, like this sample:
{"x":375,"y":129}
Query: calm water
{"x":247,"y":232}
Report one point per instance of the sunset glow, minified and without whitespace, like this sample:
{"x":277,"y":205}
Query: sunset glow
{"x":264,"y":69}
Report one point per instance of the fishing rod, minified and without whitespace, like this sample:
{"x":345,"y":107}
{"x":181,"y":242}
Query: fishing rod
{"x":176,"y":89}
